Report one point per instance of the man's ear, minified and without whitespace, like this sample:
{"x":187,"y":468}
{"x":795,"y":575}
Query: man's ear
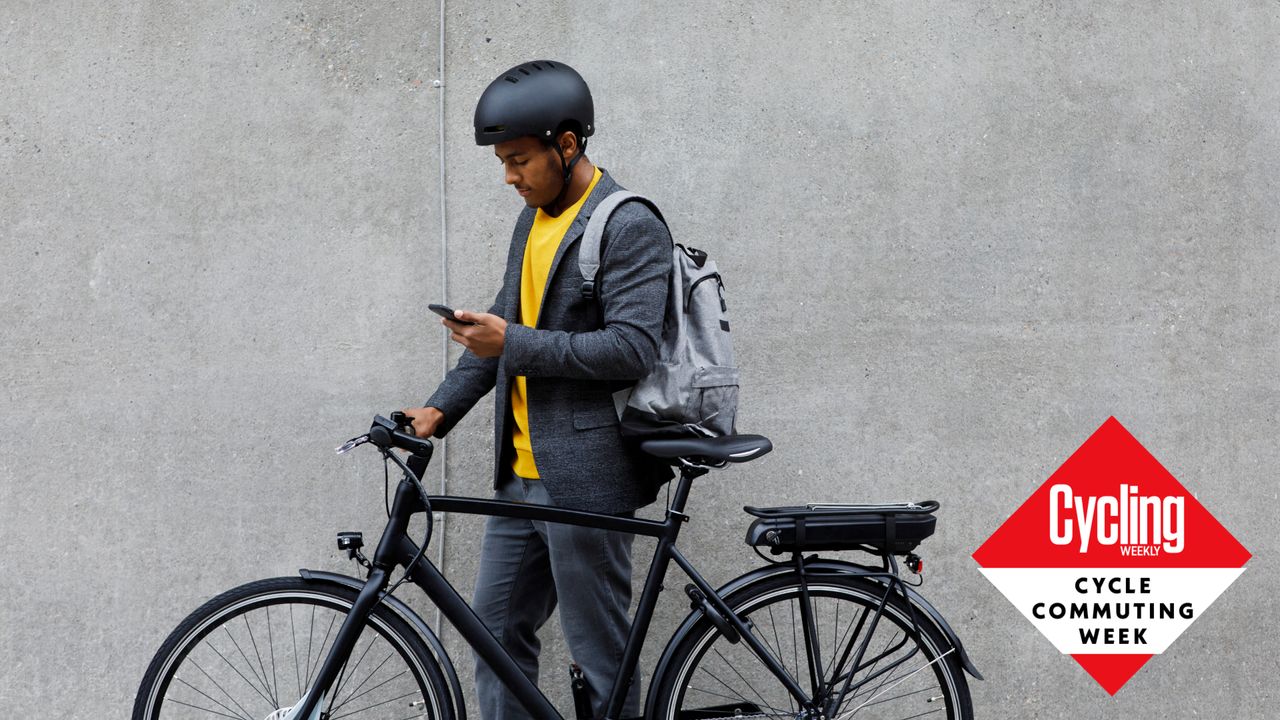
{"x":569,"y":144}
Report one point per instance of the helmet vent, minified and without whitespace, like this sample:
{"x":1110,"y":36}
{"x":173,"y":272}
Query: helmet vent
{"x":536,"y":66}
{"x":526,"y":72}
{"x":511,"y":79}
{"x":495,"y":128}
{"x":550,"y":64}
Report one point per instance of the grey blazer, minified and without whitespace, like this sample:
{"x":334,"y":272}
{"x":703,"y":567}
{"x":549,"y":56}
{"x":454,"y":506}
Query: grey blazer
{"x":579,"y":353}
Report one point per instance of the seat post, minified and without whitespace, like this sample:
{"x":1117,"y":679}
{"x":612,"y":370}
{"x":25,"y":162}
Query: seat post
{"x":688,"y":472}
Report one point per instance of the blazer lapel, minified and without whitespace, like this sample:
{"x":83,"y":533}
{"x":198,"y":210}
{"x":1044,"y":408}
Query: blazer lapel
{"x":515,"y":263}
{"x":602,"y":190}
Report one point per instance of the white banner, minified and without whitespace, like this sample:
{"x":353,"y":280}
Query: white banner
{"x":1112,"y":611}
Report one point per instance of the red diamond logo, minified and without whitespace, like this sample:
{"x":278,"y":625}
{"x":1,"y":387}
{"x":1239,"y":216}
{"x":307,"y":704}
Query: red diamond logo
{"x":1111,"y":558}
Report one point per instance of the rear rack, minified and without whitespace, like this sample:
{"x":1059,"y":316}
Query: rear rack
{"x":909,"y":508}
{"x":894,"y":528}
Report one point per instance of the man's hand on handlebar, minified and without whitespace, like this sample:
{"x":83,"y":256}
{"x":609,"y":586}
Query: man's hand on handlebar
{"x":426,"y":420}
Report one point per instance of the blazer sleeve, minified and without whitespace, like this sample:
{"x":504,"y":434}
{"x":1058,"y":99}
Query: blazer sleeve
{"x":635,"y":274}
{"x":471,"y":379}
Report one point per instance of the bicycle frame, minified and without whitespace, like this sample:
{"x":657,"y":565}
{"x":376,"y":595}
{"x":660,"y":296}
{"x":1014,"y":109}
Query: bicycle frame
{"x":396,"y":549}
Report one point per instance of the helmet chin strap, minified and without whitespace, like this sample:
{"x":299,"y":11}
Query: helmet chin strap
{"x":568,"y":171}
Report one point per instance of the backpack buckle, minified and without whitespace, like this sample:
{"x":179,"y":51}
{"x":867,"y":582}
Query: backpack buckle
{"x":589,"y":289}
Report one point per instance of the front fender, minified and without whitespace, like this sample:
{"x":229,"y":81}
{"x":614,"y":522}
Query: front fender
{"x":411,"y":617}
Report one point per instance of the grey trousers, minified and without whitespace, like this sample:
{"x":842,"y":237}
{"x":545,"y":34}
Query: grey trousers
{"x":526,"y":567}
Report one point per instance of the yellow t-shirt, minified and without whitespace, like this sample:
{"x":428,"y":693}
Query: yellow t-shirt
{"x":544,"y":239}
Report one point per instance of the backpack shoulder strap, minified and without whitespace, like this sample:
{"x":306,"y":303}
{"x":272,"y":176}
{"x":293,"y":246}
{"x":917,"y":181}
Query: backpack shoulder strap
{"x":589,"y":250}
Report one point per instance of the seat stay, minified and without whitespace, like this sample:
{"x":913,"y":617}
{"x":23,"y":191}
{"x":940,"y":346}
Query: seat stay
{"x":719,"y":605}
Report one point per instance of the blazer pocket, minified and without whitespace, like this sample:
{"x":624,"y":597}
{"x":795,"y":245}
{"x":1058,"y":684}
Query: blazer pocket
{"x":601,"y":417}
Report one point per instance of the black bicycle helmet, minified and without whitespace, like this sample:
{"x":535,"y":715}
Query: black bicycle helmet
{"x":536,"y":98}
{"x":533,"y":98}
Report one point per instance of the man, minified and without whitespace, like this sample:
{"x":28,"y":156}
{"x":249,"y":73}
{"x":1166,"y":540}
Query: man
{"x":555,"y":358}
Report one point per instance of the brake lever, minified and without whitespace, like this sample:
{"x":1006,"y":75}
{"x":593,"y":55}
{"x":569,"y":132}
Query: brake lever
{"x":403,"y":422}
{"x":352,"y":444}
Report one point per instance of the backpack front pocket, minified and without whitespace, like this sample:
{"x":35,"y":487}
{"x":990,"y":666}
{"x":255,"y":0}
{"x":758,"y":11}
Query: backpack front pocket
{"x":715,"y":398}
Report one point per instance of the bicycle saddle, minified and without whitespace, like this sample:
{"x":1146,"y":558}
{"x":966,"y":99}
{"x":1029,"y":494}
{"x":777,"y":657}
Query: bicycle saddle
{"x":730,"y":448}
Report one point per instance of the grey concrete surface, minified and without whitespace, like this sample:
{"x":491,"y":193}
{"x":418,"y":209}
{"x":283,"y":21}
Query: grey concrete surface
{"x":956,"y":236}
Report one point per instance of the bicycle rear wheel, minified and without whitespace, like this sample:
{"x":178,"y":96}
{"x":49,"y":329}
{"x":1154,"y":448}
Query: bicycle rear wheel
{"x":907,"y":670}
{"x":252,"y":652}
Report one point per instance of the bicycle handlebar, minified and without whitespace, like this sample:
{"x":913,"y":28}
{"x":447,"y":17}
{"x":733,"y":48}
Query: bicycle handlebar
{"x":388,"y":434}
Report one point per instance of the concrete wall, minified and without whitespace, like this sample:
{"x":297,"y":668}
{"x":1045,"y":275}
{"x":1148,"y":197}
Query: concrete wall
{"x":957,"y":237}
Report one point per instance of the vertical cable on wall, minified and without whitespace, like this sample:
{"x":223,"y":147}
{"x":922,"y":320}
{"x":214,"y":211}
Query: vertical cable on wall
{"x":444,"y":293}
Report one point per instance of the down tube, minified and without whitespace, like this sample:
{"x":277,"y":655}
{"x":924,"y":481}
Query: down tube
{"x":427,"y":576}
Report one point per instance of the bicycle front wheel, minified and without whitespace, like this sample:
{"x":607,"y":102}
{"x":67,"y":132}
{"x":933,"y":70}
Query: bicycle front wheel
{"x":251,"y":653}
{"x":886,"y":668}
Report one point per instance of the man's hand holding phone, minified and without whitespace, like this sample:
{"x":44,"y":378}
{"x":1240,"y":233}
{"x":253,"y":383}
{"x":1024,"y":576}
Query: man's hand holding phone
{"x":484,"y":334}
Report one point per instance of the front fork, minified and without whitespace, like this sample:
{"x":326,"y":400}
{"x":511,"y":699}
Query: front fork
{"x":308,"y":708}
{"x":407,"y":502}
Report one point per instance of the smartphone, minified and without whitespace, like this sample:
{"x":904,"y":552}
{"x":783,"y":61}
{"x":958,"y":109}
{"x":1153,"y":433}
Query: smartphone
{"x":446,"y":312}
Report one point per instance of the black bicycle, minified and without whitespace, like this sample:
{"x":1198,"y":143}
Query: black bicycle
{"x":802,"y":637}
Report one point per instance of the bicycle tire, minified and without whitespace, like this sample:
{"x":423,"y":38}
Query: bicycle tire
{"x":707,"y":676}
{"x":214,"y":664}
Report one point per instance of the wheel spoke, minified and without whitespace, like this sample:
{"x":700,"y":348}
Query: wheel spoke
{"x":247,"y":662}
{"x":400,"y":674}
{"x":275,"y":682}
{"x":854,"y":627}
{"x":369,"y":707}
{"x":870,"y":668}
{"x":315,"y":670}
{"x":207,"y":710}
{"x":736,"y":696}
{"x":311,"y":635}
{"x":237,"y":671}
{"x":744,"y":680}
{"x":795,"y":646}
{"x":258,"y":654}
{"x":293,"y":632}
{"x":895,"y":684}
{"x":899,"y":697}
{"x":790,"y":700}
{"x":352,"y":695}
{"x":215,"y":684}
{"x":338,"y":688}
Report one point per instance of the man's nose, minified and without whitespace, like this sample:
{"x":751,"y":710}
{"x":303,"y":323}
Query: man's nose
{"x":511,"y":176}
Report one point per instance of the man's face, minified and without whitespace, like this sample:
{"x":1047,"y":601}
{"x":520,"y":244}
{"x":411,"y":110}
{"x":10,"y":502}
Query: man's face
{"x":533,"y":168}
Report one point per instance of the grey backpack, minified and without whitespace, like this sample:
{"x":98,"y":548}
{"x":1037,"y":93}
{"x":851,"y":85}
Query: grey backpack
{"x":693,"y":390}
